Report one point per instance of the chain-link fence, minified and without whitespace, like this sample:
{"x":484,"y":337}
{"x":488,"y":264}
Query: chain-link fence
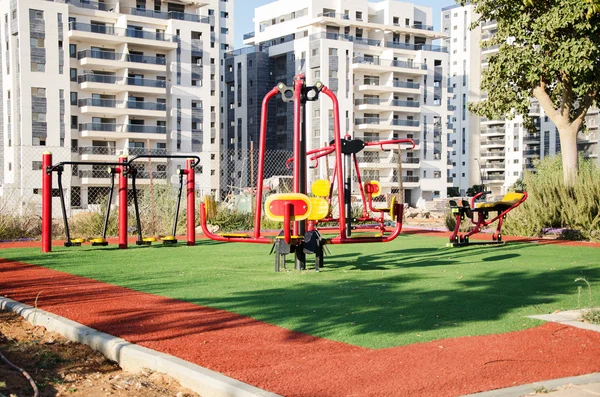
{"x":229,"y":176}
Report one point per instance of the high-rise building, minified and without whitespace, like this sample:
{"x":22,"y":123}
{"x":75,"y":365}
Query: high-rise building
{"x":381,"y":60}
{"x":90,"y":80}
{"x":493,"y":152}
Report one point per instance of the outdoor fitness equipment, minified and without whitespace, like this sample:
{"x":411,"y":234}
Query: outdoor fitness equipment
{"x":123,"y":169}
{"x":296,"y":209}
{"x":324,"y":188}
{"x":59,"y":169}
{"x":189,"y":172}
{"x":479,"y":214}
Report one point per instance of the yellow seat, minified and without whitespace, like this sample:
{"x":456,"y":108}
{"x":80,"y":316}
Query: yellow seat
{"x":149,"y":239}
{"x":168,"y":238}
{"x":275,"y":206}
{"x":319,"y":208}
{"x":507,"y":201}
{"x":77,"y":241}
{"x":321,"y":187}
{"x":393,"y":207}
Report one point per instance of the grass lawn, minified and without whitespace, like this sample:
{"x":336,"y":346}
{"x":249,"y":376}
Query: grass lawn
{"x":373,"y":295}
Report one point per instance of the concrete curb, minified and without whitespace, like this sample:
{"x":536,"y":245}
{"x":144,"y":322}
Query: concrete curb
{"x":569,"y":317}
{"x":134,"y":358}
{"x":522,"y":390}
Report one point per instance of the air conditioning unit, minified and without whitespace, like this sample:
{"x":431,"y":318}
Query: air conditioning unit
{"x":199,"y":62}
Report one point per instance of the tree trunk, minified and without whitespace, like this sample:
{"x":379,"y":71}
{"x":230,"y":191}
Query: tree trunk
{"x":568,"y":149}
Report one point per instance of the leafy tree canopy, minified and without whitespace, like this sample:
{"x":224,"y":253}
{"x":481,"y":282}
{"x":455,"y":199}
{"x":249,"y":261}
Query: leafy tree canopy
{"x":550,"y":50}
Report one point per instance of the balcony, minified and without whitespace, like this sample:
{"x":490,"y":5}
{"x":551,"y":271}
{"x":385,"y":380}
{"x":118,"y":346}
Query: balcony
{"x":406,"y":179}
{"x":382,"y":65}
{"x":143,"y":105}
{"x":494,"y":154}
{"x":110,"y":34}
{"x":335,"y":15}
{"x":140,"y":151}
{"x":385,"y":124}
{"x":493,"y":131}
{"x":97,"y":150}
{"x":248,"y":36}
{"x":415,"y":47}
{"x":370,"y":85}
{"x":493,"y":142}
{"x":116,"y":60}
{"x":182,"y":16}
{"x":91,"y":5}
{"x":377,"y":104}
{"x":493,"y":178}
{"x":494,"y":166}
{"x":146,"y":129}
{"x":197,"y":45}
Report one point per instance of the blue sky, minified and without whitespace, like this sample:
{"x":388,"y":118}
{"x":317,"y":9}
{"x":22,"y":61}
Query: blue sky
{"x":244,"y":12}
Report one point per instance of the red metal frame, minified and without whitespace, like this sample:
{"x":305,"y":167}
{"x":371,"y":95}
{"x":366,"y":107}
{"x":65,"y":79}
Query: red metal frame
{"x":481,"y":219}
{"x":46,"y":202}
{"x":122,"y":171}
{"x":314,"y":155}
{"x":191,"y":201}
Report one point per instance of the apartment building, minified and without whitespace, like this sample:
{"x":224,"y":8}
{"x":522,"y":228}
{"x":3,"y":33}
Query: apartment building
{"x":382,"y":61}
{"x":90,"y":80}
{"x":493,"y":152}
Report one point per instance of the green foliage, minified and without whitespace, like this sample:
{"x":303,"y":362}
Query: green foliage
{"x":453,"y":191}
{"x":550,"y":51}
{"x":229,"y":220}
{"x":473,"y":190}
{"x":89,"y":224}
{"x":551,"y":204}
{"x":450,"y":222}
{"x":13,"y":226}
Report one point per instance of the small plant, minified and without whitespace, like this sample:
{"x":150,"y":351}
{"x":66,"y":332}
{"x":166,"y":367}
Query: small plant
{"x":591,"y":316}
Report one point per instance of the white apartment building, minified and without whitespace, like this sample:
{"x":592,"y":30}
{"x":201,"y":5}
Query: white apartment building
{"x":389,"y":75}
{"x":90,"y":80}
{"x":493,"y":152}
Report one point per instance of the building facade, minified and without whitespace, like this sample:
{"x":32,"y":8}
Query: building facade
{"x":389,"y":76}
{"x":90,"y":80}
{"x":494,"y":152}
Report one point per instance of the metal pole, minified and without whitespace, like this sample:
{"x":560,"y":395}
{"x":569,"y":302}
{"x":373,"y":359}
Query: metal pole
{"x":191,"y":202}
{"x":251,"y":174}
{"x":122,"y":170}
{"x":348,"y":192}
{"x":174,"y":233}
{"x":400,"y":179}
{"x":46,"y":202}
{"x":63,"y":207}
{"x":136,"y":207}
{"x":110,"y":196}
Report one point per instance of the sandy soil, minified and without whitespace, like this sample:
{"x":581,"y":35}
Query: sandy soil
{"x":60,"y":367}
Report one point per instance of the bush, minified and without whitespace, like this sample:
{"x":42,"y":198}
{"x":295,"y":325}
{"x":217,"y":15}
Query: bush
{"x":453,"y":192}
{"x":551,"y":204}
{"x":13,"y":227}
{"x":450,"y":221}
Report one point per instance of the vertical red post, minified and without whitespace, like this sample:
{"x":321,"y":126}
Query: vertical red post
{"x":122,"y":171}
{"x":191,"y":201}
{"x":46,"y":202}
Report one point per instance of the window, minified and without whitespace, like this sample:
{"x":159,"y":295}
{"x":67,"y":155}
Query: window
{"x":73,"y":74}
{"x":224,"y":30}
{"x":72,"y":50}
{"x":224,"y":14}
{"x":74,"y":122}
{"x":36,"y":43}
{"x":38,"y":92}
{"x":74,"y":98}
{"x":38,"y":67}
{"x":36,"y":165}
{"x":41,"y":117}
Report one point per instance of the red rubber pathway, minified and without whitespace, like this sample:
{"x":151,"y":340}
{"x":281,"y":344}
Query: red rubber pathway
{"x":294,"y":364}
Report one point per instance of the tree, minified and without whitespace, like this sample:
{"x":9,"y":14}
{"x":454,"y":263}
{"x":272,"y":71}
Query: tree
{"x":548,"y":50}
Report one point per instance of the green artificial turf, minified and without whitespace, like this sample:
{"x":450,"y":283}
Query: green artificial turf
{"x":372,"y":295}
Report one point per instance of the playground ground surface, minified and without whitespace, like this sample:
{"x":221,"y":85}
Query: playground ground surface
{"x":406,"y":318}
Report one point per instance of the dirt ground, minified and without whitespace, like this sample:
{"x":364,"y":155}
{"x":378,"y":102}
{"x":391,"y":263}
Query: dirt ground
{"x":63,"y":368}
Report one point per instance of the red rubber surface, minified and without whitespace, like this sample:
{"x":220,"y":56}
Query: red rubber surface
{"x":294,"y":364}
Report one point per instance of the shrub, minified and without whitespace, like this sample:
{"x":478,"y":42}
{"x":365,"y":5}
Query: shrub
{"x":26,"y":225}
{"x":453,"y":192}
{"x":450,"y":221}
{"x":551,"y":204}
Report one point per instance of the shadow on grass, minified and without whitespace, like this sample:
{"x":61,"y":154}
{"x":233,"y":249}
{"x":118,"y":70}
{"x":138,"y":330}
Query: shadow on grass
{"x":379,"y":311}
